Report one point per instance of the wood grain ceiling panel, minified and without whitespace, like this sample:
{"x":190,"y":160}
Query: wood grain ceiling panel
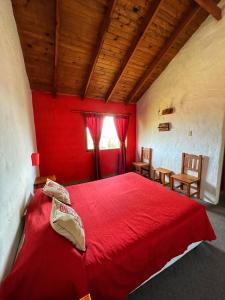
{"x":124,"y":25}
{"x":108,"y":49}
{"x":80,"y":24}
{"x":36,"y":33}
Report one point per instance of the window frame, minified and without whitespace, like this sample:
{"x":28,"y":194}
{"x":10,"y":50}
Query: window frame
{"x":90,"y":150}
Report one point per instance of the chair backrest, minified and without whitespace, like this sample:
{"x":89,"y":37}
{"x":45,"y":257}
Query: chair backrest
{"x":191,"y":162}
{"x":146,"y":155}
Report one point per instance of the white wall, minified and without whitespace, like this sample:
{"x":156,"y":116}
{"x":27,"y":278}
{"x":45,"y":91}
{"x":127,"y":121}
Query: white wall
{"x":193,"y":83}
{"x":17,"y":140}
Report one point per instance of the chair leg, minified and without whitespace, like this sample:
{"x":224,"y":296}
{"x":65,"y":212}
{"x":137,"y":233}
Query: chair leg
{"x":198,"y":189}
{"x":188,"y":190}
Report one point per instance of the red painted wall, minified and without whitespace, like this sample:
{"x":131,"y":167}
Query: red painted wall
{"x":61,"y":138}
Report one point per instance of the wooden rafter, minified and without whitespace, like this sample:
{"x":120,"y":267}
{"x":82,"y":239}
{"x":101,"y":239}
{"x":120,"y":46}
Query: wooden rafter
{"x":101,"y":37}
{"x":56,"y":51}
{"x":48,"y":73}
{"x":211,"y":7}
{"x":151,"y":13}
{"x":138,"y":89}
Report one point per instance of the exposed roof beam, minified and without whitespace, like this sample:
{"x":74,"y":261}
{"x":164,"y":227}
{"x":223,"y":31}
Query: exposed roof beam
{"x":151,"y":13}
{"x":178,"y":31}
{"x":101,"y":37}
{"x":211,"y":7}
{"x":56,"y":51}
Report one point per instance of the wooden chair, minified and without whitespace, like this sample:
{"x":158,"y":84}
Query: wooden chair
{"x":143,"y":167}
{"x":191,"y":163}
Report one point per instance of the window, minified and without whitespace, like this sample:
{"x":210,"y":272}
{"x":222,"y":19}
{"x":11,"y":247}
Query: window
{"x":109,"y":138}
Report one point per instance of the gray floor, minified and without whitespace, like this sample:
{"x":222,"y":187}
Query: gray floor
{"x":199,"y":275}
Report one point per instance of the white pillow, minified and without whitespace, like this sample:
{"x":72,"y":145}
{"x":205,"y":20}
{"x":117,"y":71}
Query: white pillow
{"x":53,"y":189}
{"x":65,"y":221}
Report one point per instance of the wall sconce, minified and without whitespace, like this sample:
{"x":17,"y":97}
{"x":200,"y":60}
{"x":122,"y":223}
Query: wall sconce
{"x":164,"y":126}
{"x":168,"y":111}
{"x":35,"y":158}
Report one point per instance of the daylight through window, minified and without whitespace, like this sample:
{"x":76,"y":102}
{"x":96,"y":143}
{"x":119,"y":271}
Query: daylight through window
{"x":109,"y":138}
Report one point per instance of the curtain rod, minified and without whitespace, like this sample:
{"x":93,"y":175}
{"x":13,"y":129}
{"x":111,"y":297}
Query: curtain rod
{"x":99,"y":113}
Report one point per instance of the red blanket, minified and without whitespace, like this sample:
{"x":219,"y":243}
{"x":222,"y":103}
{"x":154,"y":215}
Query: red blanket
{"x":133,"y":228}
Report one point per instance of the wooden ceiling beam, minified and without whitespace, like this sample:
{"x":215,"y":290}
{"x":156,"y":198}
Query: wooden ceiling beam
{"x":150,"y":15}
{"x":138,"y":89}
{"x":56,"y":50}
{"x":101,"y":36}
{"x":211,"y":7}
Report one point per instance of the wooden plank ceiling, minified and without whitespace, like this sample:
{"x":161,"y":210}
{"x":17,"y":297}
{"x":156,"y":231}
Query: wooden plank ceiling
{"x":112,"y":50}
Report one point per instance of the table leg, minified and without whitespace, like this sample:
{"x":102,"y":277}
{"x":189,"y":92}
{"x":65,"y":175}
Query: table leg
{"x":160,"y":177}
{"x":163,"y":179}
{"x":153,"y":174}
{"x":171,"y":183}
{"x":169,"y":178}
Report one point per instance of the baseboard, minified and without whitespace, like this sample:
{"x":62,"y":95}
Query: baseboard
{"x":79,"y":181}
{"x":110,"y":175}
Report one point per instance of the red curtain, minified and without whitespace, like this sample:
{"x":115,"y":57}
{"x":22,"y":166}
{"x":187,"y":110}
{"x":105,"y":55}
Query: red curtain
{"x":94,"y":123}
{"x":121,"y":124}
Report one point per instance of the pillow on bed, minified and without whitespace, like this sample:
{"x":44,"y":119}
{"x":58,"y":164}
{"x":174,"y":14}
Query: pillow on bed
{"x":53,"y":189}
{"x":65,"y":221}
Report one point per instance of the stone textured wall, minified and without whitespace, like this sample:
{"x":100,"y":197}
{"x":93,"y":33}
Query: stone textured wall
{"x":17,"y":140}
{"x":194,"y":84}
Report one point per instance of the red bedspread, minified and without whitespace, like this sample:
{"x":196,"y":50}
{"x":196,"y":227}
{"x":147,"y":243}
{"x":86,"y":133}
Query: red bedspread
{"x":133,"y":228}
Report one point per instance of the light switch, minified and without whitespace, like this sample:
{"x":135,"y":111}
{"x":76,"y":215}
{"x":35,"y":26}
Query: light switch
{"x":190,"y":133}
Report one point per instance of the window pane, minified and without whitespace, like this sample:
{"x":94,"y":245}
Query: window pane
{"x":90,"y":144}
{"x":109,"y":138}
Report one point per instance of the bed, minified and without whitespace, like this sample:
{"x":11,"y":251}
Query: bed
{"x":134,"y":227}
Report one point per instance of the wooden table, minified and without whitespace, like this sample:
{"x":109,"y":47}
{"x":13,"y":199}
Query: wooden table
{"x":162,"y":175}
{"x":40,"y":181}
